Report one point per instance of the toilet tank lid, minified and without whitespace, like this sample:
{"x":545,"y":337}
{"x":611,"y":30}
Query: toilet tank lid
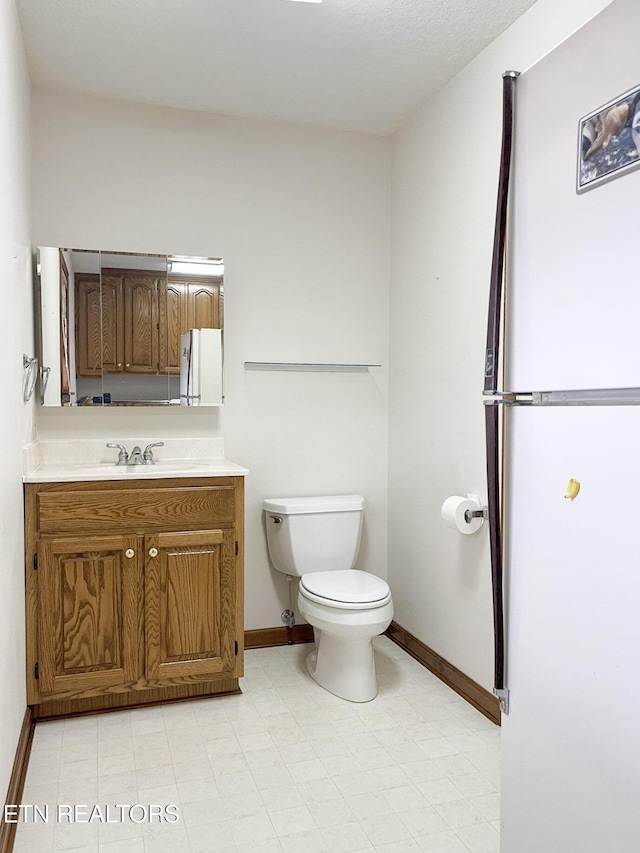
{"x":324,"y":503}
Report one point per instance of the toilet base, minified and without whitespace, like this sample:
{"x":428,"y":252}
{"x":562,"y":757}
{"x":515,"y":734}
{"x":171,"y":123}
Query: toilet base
{"x":346,"y":669}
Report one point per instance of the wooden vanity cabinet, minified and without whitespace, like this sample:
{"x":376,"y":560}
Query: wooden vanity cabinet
{"x":134,"y":592}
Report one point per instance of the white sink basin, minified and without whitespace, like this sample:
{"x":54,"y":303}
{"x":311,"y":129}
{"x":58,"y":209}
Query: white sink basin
{"x":87,"y":459}
{"x":160,"y":469}
{"x":168,"y":466}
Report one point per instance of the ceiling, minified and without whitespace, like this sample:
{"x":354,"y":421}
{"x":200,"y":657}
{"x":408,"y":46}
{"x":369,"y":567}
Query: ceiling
{"x":354,"y":64}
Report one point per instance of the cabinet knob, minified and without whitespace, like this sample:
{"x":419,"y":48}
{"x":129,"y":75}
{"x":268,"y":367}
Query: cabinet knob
{"x":153,"y":552}
{"x":119,"y":364}
{"x":129,"y":553}
{"x":127,"y":365}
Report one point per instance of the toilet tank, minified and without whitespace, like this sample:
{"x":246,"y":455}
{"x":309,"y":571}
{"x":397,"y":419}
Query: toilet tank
{"x":315,"y":534}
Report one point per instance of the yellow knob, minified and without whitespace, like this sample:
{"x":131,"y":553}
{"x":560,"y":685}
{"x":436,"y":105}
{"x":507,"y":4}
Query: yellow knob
{"x":153,"y":552}
{"x":129,"y":553}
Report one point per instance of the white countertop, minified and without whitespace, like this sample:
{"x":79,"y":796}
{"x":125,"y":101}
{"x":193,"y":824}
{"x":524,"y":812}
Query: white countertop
{"x":82,"y":460}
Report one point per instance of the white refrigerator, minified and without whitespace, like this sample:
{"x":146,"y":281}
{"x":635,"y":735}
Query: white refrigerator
{"x":569,"y":406}
{"x":201,"y":368}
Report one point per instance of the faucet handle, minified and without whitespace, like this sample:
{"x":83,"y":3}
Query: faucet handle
{"x":123,"y":456}
{"x":148,"y":453}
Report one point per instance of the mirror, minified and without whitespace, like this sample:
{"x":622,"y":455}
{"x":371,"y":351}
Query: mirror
{"x":129,"y":329}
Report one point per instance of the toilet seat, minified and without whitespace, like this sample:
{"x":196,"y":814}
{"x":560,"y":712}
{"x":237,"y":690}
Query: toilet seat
{"x":348,"y":589}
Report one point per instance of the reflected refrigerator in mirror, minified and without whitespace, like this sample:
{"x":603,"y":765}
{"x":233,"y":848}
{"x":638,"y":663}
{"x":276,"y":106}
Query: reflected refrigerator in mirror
{"x":201,"y":368}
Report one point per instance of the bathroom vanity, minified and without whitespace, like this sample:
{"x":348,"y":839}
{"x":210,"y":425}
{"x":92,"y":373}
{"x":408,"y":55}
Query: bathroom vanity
{"x":134,"y":579}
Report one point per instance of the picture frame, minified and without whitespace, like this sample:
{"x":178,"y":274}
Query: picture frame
{"x":609,"y":141}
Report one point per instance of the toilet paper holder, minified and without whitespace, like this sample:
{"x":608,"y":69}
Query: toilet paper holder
{"x":466,"y":515}
{"x":476,"y":513}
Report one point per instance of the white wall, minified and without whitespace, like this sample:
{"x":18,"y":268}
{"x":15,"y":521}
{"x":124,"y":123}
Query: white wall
{"x":301,"y":218}
{"x":17,"y":338}
{"x":444,"y":179}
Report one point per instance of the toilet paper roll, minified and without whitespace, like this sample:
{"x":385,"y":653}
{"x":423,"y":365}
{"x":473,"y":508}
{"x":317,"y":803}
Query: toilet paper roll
{"x":453,"y":510}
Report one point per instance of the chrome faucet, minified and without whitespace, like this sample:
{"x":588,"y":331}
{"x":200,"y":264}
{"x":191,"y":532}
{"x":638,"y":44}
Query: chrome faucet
{"x":136,"y":457}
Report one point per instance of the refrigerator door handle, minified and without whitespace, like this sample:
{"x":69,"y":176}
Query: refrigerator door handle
{"x":492,"y":428}
{"x":494,"y":319}
{"x":566,"y":397}
{"x":492,"y":411}
{"x":512,"y":398}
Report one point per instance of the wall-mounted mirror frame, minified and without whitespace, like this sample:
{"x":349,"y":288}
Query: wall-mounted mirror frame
{"x":129,"y":329}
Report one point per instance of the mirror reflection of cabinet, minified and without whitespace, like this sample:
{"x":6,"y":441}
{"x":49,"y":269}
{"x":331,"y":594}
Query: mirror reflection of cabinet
{"x":172,"y":307}
{"x":185,"y":304}
{"x":111,"y":356}
{"x":117,"y":323}
{"x":140,"y":321}
{"x":130,"y":313}
{"x":91,"y":337}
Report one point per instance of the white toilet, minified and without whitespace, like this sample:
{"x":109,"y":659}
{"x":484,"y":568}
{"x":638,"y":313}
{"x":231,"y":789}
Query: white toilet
{"x":317,"y":540}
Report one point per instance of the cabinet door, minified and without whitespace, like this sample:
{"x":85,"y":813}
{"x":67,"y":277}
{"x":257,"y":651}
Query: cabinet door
{"x":88,"y":324}
{"x":190,"y":606}
{"x":88,"y":614}
{"x":112,"y":327}
{"x":204,"y":305}
{"x":184,"y":305}
{"x":140,"y":324}
{"x":173,"y":323}
{"x":99,"y":324}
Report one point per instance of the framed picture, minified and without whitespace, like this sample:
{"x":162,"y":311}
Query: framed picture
{"x":609,"y":141}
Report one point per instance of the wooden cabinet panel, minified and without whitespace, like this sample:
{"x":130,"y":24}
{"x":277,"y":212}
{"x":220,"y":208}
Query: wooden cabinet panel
{"x":140,"y":324}
{"x":203,"y":304}
{"x":189,"y":606}
{"x":62,"y":511}
{"x":99,"y":340}
{"x":173,"y":322}
{"x":88,"y":613}
{"x":112,"y":336}
{"x":88,"y":324}
{"x":185,"y":305}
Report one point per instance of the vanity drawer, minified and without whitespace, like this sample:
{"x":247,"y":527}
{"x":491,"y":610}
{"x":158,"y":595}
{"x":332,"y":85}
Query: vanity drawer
{"x":185,"y":507}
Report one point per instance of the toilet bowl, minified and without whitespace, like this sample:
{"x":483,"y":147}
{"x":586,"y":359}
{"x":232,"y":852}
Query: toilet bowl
{"x":317,"y":540}
{"x":347,"y":610}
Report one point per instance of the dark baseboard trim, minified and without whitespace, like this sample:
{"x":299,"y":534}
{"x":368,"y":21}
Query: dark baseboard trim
{"x":67,"y":708}
{"x":464,"y":686}
{"x":262,"y":638}
{"x":16,"y":782}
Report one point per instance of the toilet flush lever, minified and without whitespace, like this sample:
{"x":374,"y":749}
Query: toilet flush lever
{"x":276,"y":519}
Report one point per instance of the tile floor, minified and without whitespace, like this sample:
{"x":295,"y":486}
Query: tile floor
{"x":284,"y":768}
